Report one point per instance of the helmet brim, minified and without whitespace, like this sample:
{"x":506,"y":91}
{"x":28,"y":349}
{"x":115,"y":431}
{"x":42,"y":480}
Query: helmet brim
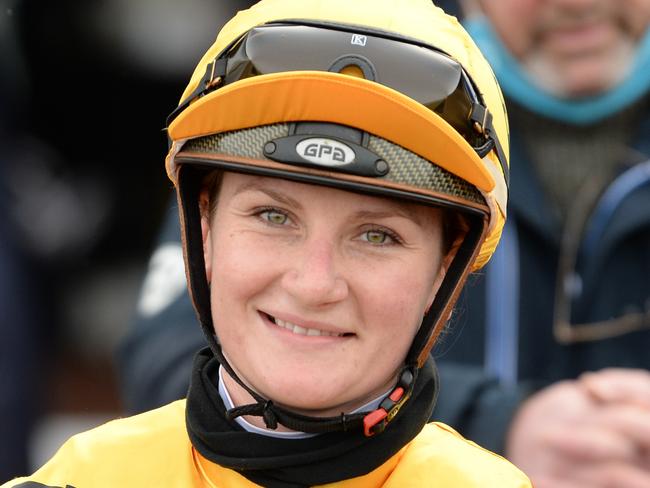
{"x":336,"y":98}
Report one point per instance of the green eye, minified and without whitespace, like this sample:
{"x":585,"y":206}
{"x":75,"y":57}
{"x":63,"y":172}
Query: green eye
{"x":274,"y":217}
{"x":376,"y":237}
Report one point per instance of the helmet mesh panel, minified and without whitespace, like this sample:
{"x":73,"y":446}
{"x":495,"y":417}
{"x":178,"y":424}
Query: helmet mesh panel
{"x":406,"y":167}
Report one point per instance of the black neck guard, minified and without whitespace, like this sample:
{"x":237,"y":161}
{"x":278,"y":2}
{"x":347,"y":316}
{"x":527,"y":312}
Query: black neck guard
{"x":292,"y":463}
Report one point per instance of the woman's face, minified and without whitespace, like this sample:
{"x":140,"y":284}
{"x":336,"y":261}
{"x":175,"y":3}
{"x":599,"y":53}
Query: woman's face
{"x":317,"y":293}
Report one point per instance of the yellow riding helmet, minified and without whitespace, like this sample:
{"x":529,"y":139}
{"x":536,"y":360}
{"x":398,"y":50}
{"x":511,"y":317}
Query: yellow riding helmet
{"x":386,"y":97}
{"x":230,"y":108}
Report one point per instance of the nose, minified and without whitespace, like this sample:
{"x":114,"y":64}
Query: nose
{"x":315,"y":278}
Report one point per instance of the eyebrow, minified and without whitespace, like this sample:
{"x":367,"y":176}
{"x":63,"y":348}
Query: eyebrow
{"x":279,"y":197}
{"x":403,"y":212}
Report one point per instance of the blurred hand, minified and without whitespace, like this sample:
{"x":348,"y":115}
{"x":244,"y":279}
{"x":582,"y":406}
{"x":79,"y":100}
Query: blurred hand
{"x":619,"y":385}
{"x":593,"y":432}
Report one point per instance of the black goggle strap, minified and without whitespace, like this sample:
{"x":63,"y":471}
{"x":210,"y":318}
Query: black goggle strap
{"x":211,"y":80}
{"x":481,"y":118}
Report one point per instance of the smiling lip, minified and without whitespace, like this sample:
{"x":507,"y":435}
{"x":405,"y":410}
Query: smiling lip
{"x":303,"y":330}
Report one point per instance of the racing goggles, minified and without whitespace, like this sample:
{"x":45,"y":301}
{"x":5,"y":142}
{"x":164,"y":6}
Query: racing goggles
{"x":416,"y":70}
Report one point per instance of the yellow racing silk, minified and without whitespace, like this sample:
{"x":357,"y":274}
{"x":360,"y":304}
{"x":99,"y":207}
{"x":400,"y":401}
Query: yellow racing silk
{"x":153,"y":449}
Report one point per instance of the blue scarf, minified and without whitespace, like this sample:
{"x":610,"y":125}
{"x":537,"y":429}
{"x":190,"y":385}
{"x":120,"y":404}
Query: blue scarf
{"x":518,"y":86}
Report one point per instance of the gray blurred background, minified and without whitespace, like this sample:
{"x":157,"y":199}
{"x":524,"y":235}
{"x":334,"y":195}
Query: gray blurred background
{"x":85,"y":88}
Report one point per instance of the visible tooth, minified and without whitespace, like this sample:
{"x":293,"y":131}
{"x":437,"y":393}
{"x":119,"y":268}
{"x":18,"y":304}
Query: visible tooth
{"x":299,"y":330}
{"x":296,"y":329}
{"x":282,"y":323}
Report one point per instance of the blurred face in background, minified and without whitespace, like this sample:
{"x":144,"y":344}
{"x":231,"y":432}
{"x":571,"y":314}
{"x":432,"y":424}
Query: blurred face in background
{"x":572,"y":48}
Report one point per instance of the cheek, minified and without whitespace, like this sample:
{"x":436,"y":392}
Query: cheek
{"x":398,"y":298}
{"x":240,"y":272}
{"x":397,"y":315}
{"x":635,"y":16}
{"x":517,"y":36}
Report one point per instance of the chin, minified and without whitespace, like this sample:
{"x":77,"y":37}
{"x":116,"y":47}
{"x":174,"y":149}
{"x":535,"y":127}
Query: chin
{"x":583,"y":81}
{"x":319,"y":402}
{"x":587,"y":75}
{"x":310,"y":400}
{"x":591,"y":83}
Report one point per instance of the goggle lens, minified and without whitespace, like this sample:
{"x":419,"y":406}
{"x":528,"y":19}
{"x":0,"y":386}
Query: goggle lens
{"x":427,"y":76}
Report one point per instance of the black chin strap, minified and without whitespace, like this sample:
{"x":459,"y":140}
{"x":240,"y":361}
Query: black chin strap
{"x":373,"y":422}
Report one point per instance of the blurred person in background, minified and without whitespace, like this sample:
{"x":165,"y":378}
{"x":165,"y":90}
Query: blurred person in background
{"x":574,"y":268}
{"x":572,"y":272}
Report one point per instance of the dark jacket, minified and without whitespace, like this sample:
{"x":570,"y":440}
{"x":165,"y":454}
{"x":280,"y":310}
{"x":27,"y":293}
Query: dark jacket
{"x":594,"y":278}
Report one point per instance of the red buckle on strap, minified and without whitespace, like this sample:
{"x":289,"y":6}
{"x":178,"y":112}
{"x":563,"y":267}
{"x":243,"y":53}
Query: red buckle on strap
{"x":375,"y":422}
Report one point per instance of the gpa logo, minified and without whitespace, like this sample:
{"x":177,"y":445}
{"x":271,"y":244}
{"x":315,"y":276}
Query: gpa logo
{"x":325,"y":152}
